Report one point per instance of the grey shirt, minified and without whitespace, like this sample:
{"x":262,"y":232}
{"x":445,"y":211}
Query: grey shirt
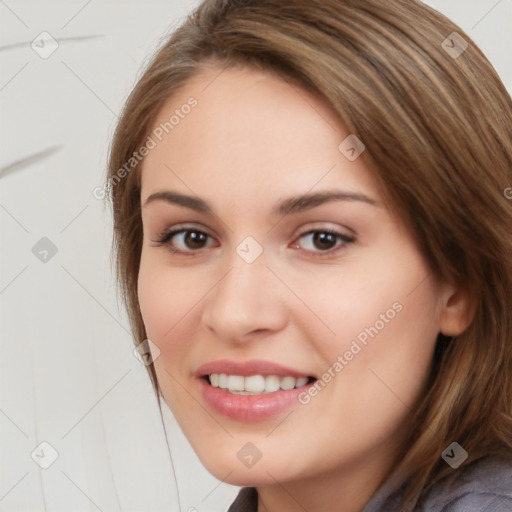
{"x":484,"y":485}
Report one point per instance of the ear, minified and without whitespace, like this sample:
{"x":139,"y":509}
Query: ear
{"x":458,"y":310}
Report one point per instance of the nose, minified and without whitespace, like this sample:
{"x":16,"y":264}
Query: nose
{"x":247,"y":301}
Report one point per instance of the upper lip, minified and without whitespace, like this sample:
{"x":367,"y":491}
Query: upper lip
{"x":246,"y":368}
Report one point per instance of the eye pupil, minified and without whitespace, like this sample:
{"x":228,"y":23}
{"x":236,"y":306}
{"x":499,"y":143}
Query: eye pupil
{"x":195,"y":239}
{"x":324,"y":240}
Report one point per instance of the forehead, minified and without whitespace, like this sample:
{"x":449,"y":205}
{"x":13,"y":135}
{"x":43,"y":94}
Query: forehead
{"x":248,"y":133}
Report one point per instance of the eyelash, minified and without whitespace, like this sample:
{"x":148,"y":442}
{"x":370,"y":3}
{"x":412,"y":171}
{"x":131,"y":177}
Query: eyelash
{"x":166,"y":237}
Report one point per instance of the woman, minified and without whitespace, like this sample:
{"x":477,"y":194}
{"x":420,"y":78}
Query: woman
{"x":312,"y":227}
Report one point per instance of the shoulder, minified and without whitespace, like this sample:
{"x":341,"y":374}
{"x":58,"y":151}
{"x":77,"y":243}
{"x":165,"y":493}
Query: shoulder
{"x":485,"y":485}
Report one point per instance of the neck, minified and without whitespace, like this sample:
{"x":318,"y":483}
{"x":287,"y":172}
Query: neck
{"x":349,"y":488}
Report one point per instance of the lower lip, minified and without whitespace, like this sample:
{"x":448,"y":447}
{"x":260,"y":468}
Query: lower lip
{"x":249,"y":407}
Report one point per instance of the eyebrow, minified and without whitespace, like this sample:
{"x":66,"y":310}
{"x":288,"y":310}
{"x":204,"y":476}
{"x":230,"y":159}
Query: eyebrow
{"x":288,"y":206}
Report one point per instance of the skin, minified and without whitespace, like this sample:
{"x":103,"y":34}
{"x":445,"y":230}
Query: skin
{"x":253,"y":140}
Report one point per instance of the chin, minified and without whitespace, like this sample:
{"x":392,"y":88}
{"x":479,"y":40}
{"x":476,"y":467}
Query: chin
{"x":250,"y":473}
{"x":246,"y":477}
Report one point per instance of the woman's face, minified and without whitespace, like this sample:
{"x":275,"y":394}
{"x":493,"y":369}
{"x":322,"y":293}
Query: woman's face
{"x":296,"y":320}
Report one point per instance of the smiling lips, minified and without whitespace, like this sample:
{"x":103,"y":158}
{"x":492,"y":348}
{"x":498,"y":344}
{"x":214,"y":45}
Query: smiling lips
{"x":252,"y":390}
{"x":255,"y":384}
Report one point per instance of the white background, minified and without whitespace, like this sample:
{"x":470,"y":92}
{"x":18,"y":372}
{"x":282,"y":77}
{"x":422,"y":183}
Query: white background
{"x":68,"y":375}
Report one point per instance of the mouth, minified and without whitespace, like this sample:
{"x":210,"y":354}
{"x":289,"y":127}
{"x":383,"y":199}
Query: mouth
{"x":252,"y":390}
{"x":256,"y":384}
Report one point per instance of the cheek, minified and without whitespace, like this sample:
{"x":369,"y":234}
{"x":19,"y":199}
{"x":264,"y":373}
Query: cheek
{"x":403,"y":358}
{"x":386,"y":358}
{"x":382,"y":300}
{"x":165,"y":301}
{"x":385,"y":319}
{"x":154,"y":297}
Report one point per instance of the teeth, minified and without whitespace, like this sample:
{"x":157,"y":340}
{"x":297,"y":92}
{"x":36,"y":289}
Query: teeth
{"x":301,"y":382}
{"x":287,"y":383}
{"x":214,"y":379}
{"x":255,"y":384}
{"x":223,"y":380}
{"x":236,"y":383}
{"x":272,"y":383}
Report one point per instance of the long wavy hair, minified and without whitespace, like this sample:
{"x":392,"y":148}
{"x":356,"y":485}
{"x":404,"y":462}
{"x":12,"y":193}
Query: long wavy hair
{"x":437,"y":125}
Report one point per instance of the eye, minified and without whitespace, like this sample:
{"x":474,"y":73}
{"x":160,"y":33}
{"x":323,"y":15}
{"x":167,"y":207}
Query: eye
{"x":187,"y":240}
{"x":324,"y":241}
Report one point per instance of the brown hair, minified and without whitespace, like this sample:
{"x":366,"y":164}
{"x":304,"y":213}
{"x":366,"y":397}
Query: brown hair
{"x":437,"y":127}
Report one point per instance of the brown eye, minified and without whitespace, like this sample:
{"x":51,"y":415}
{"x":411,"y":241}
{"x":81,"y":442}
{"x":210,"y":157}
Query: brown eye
{"x":185,"y":240}
{"x":324,"y":241}
{"x":194,"y":239}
